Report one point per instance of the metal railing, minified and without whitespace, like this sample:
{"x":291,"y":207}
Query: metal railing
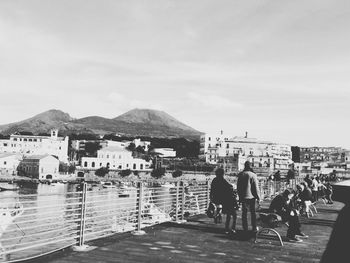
{"x":48,"y":223}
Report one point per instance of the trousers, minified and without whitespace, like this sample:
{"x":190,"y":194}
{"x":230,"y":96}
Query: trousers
{"x":248,"y":204}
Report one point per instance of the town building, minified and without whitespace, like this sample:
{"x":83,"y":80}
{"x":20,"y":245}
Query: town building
{"x":80,"y":145}
{"x":37,"y":145}
{"x":39,"y":167}
{"x":320,"y":154}
{"x":9,"y":163}
{"x":144,"y":144}
{"x":267,"y":156}
{"x":115,"y":158}
{"x":165,"y":152}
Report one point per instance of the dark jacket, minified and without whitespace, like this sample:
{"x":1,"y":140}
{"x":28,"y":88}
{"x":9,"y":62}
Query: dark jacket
{"x":306,"y":195}
{"x":221,"y":192}
{"x":280,"y":206}
{"x":247,"y":186}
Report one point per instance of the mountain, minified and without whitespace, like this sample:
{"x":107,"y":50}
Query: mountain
{"x":41,"y":123}
{"x":136,"y":122}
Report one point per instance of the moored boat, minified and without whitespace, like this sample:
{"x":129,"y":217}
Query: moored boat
{"x":8,"y":187}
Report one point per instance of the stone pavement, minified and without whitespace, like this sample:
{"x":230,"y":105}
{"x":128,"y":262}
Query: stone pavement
{"x":200,"y":240}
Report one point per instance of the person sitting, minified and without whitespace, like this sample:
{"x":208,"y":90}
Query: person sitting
{"x":283,"y":206}
{"x":305,"y":197}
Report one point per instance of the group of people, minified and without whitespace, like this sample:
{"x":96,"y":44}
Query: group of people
{"x":222,"y":193}
{"x":321,"y":189}
{"x":287,"y":205}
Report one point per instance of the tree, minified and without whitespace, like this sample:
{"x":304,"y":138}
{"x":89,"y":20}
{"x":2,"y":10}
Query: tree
{"x":92,"y":147}
{"x":131,"y":147}
{"x":101,"y":172}
{"x":158,"y":173}
{"x":177,"y":173}
{"x":140,"y":149}
{"x":125,"y":173}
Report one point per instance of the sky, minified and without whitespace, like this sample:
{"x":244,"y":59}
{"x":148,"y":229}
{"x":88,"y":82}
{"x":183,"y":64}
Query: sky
{"x":279,"y":70}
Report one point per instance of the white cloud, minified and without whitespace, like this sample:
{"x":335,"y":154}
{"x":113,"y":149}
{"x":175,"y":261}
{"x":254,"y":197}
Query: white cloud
{"x":213,"y":101}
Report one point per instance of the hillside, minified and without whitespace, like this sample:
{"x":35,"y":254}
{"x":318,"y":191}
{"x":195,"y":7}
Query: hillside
{"x":137,"y":122}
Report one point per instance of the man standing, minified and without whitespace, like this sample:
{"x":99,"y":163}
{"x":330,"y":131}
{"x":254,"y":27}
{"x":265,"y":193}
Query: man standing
{"x":248,"y":192}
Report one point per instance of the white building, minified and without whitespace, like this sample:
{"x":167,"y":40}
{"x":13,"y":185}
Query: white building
{"x":9,"y":163}
{"x":116,"y":158}
{"x":260,"y":153}
{"x":39,"y":167}
{"x":37,"y":145}
{"x":165,"y":152}
{"x":144,"y":144}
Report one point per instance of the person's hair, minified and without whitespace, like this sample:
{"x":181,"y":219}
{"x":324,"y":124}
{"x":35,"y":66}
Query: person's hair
{"x":219,"y":172}
{"x":287,"y":192}
{"x":247,"y":166}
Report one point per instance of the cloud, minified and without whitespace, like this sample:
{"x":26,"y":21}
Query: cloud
{"x":213,"y":101}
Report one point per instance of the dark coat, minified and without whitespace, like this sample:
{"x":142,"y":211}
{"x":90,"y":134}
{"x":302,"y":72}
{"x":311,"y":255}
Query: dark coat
{"x":221,"y":192}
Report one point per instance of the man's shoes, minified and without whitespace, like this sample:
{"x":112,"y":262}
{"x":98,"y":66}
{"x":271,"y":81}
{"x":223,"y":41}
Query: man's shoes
{"x":294,"y":239}
{"x":230,"y":232}
{"x":301,"y":234}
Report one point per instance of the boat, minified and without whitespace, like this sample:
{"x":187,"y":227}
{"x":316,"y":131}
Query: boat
{"x":8,"y":187}
{"x":8,"y":215}
{"x":108,"y":185}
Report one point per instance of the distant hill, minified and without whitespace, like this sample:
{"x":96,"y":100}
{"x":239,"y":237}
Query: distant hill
{"x":137,"y":122}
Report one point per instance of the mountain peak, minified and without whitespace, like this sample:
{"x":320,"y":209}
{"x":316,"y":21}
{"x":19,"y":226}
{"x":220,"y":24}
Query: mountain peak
{"x":150,"y":116}
{"x":136,"y":122}
{"x":53,"y":115}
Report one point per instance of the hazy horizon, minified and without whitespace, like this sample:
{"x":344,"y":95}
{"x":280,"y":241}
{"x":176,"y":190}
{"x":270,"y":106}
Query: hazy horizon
{"x":277,"y":69}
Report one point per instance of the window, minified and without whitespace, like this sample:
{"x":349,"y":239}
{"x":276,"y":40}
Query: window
{"x":25,"y":139}
{"x":30,"y":140}
{"x":5,"y":162}
{"x":42,"y":169}
{"x":15,"y":139}
{"x":227,"y":146}
{"x":85,"y":164}
{"x":33,"y":140}
{"x":60,"y":148}
{"x":141,"y":166}
{"x":107,"y":156}
{"x":93,"y":164}
{"x":127,"y":165}
{"x":100,"y":164}
{"x":209,"y":139}
{"x":120,"y":156}
{"x":113,"y":156}
{"x":134,"y":166}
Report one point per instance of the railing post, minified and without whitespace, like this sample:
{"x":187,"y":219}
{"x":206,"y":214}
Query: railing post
{"x":177,"y":202}
{"x":139,"y":205}
{"x":80,"y":246}
{"x":183,"y":201}
{"x":208,"y":194}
